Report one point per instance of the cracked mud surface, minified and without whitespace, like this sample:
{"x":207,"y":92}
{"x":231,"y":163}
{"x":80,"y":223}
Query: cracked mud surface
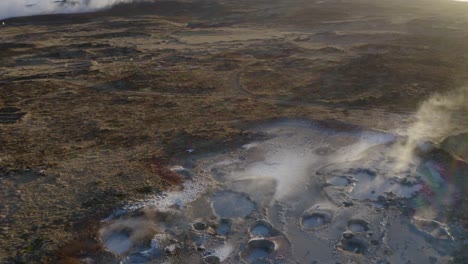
{"x":96,"y":109}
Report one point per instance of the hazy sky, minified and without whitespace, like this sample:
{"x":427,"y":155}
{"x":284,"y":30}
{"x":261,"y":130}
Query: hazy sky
{"x":16,"y":8}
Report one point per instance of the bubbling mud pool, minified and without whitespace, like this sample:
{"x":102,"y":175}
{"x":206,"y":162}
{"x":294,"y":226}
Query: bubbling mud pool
{"x":309,"y":193}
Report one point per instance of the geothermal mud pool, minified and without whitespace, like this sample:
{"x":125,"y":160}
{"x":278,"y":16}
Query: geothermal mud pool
{"x":308,"y":193}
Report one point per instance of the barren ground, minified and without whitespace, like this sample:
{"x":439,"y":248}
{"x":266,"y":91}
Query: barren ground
{"x":94,"y":106}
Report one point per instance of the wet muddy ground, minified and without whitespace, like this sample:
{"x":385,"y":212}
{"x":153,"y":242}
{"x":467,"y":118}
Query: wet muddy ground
{"x":307,"y":194}
{"x":253,"y":131}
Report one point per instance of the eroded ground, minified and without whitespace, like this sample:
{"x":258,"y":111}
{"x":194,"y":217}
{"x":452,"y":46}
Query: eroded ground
{"x":95,"y":108}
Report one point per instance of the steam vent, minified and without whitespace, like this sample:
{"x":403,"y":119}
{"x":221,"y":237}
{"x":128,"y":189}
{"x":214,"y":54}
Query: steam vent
{"x":255,"y":132}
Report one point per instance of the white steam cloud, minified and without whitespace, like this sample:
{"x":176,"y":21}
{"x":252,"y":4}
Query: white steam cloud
{"x":440,"y":116}
{"x":17,"y":8}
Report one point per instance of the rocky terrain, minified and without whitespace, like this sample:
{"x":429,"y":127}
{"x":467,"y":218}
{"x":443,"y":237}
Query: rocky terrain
{"x":96,"y":108}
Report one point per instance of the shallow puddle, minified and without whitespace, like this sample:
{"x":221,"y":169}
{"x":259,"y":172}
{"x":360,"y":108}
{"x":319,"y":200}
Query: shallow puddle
{"x":231,"y":205}
{"x":358,"y":225}
{"x":315,"y":218}
{"x":260,"y":231}
{"x":258,"y":249}
{"x":339,"y":181}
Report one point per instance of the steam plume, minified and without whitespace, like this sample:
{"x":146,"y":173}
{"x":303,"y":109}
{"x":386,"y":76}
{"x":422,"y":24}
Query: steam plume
{"x":437,"y":118}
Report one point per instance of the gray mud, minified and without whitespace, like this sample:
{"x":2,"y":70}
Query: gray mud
{"x":286,"y":200}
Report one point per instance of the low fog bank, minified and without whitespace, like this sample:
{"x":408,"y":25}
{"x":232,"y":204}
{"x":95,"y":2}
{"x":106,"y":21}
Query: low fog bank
{"x":19,"y":8}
